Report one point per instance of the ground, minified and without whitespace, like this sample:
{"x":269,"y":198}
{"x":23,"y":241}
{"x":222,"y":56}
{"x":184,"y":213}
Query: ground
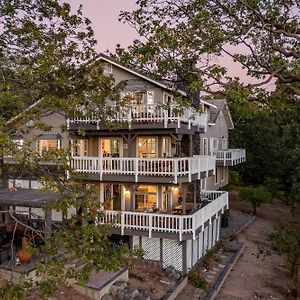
{"x":258,"y":278}
{"x":149,"y":277}
{"x":254,"y":277}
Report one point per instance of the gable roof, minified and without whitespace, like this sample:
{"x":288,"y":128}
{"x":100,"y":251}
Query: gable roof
{"x":138,"y":73}
{"x":219,"y":105}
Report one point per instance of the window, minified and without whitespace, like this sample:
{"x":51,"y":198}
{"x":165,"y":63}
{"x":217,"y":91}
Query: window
{"x":48,"y":145}
{"x":217,"y":175}
{"x":133,"y":98}
{"x":205,"y":146}
{"x":167,"y":99}
{"x":18,"y":143}
{"x":203,"y":184}
{"x":224,"y":143}
{"x":166,"y":147}
{"x":112,"y":196}
{"x":215,"y":144}
{"x":80,"y":148}
{"x":167,"y":198}
{"x":145,"y":197}
{"x":147,"y":147}
{"x":111,"y":147}
{"x":107,"y":69}
{"x":150,"y":97}
{"x":223,"y":173}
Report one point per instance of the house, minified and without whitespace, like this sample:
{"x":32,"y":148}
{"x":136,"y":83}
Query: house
{"x":160,"y":190}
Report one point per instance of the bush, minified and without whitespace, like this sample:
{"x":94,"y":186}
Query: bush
{"x":255,"y":195}
{"x":209,"y":257}
{"x":234,"y":178}
{"x":197,"y":279}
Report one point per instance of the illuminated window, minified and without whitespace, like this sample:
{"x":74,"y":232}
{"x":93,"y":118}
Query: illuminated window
{"x":80,"y":148}
{"x":166,"y":147}
{"x":48,"y":145}
{"x":111,"y":147}
{"x":147,"y":147}
{"x":145,"y":197}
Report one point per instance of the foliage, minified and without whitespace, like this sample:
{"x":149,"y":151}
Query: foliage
{"x":48,"y":65}
{"x":197,"y":279}
{"x":234,"y":178}
{"x":179,"y":40}
{"x":190,"y":42}
{"x":286,"y":241}
{"x":255,"y":195}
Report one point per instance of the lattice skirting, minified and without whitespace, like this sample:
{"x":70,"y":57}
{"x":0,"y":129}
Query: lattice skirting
{"x":181,"y":255}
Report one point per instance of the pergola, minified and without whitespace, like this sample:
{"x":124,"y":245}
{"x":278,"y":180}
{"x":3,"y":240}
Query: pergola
{"x":33,"y":204}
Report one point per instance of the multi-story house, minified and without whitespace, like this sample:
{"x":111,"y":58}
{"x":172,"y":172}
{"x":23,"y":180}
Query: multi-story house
{"x":159,"y":193}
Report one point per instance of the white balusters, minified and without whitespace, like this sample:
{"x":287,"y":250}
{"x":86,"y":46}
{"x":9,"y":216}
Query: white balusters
{"x":178,"y":224}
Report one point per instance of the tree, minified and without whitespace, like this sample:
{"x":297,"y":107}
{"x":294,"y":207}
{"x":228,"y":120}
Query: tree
{"x":47,"y":65}
{"x":286,"y":241}
{"x":185,"y":41}
{"x":263,"y":37}
{"x":255,"y":195}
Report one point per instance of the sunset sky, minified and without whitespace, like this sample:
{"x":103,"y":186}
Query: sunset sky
{"x":109,"y":31}
{"x":104,"y":16}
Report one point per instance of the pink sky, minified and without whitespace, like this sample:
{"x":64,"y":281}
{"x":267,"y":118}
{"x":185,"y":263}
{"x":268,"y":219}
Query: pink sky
{"x":109,"y":31}
{"x":104,"y":16}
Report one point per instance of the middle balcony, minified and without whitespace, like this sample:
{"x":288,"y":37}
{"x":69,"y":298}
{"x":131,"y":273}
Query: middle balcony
{"x":145,"y":170}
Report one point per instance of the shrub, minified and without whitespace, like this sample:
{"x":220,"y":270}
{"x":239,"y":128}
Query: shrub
{"x":234,"y":178}
{"x":255,"y":195}
{"x":197,"y":279}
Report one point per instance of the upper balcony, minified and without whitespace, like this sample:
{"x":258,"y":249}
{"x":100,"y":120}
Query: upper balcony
{"x":145,"y":117}
{"x":180,"y":227}
{"x":133,"y":169}
{"x":230,"y":157}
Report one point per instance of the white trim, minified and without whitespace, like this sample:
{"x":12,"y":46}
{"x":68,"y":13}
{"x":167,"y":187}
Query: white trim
{"x":207,"y":103}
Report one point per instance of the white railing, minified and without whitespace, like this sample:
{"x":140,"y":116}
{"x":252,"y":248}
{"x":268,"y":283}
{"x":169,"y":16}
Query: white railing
{"x":230,"y":156}
{"x":151,"y":113}
{"x":167,"y":223}
{"x":176,"y":167}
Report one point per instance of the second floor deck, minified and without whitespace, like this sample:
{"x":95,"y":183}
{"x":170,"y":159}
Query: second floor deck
{"x":134,"y":169}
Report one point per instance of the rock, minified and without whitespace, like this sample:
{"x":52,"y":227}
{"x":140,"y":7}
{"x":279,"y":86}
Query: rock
{"x":127,"y":294}
{"x":117,"y":286}
{"x":107,"y":297}
{"x":165,"y":282}
{"x":168,"y":270}
{"x":155,"y":291}
{"x":177,"y":276}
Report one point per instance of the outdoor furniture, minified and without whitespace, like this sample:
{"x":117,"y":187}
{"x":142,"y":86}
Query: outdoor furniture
{"x":188,"y":206}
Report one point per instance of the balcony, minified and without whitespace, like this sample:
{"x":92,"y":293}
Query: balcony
{"x":175,"y":226}
{"x":133,"y":169}
{"x":230,"y":157}
{"x":151,"y":114}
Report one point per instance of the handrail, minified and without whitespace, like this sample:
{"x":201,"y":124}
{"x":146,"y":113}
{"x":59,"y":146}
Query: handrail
{"x":234,"y":156}
{"x":167,"y":223}
{"x":147,"y":113}
{"x":176,"y":167}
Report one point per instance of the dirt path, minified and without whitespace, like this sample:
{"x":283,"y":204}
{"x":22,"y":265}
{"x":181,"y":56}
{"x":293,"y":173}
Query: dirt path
{"x":252,"y":277}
